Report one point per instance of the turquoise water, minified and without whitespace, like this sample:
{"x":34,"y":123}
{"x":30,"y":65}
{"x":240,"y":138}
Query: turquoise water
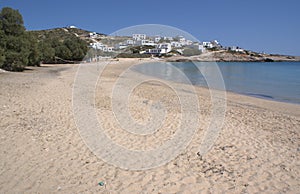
{"x":278,"y":81}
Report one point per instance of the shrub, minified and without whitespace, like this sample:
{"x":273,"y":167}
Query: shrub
{"x":191,"y":52}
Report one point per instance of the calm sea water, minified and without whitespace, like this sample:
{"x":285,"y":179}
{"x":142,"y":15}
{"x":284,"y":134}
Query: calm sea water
{"x":278,"y":81}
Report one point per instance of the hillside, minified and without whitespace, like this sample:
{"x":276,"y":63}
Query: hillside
{"x":63,"y":33}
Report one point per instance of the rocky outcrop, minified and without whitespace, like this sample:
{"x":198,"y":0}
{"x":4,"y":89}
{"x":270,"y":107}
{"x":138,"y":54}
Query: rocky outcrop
{"x":229,"y":56}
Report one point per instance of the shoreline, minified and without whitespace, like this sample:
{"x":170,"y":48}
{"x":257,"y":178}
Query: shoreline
{"x":259,"y":96}
{"x":275,"y":105}
{"x":247,"y":98}
{"x":195,"y":59}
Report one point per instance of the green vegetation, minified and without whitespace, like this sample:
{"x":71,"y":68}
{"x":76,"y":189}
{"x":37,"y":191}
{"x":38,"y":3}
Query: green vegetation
{"x":138,"y":49}
{"x":20,"y":48}
{"x":132,"y":55}
{"x":14,"y":46}
{"x":111,"y":41}
{"x":191,"y":52}
{"x":94,"y":53}
{"x":212,"y":49}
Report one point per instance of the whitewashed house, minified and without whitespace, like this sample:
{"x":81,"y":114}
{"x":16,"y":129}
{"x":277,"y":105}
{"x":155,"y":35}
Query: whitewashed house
{"x":93,"y":35}
{"x":160,"y":49}
{"x":145,"y":43}
{"x":201,"y":48}
{"x":235,"y":48}
{"x":184,"y":41}
{"x":207,"y":44}
{"x":166,"y":47}
{"x":139,"y":36}
{"x":168,"y":38}
{"x":129,"y":42}
{"x":181,"y":38}
{"x":121,"y":45}
{"x":108,"y":49}
{"x":216,"y":44}
{"x":176,"y":44}
{"x":97,"y":45}
{"x":100,"y":46}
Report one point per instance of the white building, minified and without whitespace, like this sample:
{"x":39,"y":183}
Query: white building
{"x":207,"y":44}
{"x":97,"y":45}
{"x":168,"y":38}
{"x":160,"y":49}
{"x":121,"y":46}
{"x":166,"y":47}
{"x":201,"y":48}
{"x":100,"y":46}
{"x":216,"y":44}
{"x":108,"y":49}
{"x":184,"y":41}
{"x":235,"y":48}
{"x":181,"y":38}
{"x":139,"y":36}
{"x":145,"y":43}
{"x":129,"y":42}
{"x":93,"y":35}
{"x":176,"y":44}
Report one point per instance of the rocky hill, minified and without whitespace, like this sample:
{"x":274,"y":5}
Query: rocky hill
{"x":232,"y":56}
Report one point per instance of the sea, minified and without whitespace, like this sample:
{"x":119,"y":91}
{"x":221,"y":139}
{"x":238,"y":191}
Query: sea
{"x":279,"y":81}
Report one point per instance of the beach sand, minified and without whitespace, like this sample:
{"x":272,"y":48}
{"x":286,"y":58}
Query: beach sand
{"x":41,"y":151}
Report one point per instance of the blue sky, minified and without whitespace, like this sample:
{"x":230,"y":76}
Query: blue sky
{"x":271,"y":26}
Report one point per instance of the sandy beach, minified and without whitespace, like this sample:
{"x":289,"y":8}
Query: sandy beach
{"x":41,"y":151}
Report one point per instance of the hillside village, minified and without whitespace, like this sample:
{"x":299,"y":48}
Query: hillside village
{"x":157,"y":45}
{"x":176,"y":48}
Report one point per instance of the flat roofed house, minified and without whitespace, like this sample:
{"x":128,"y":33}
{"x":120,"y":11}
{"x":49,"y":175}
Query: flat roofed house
{"x":207,"y":44}
{"x":145,"y":43}
{"x":160,"y":49}
{"x":97,"y":45}
{"x":176,"y":44}
{"x":129,"y":42}
{"x":139,"y":36}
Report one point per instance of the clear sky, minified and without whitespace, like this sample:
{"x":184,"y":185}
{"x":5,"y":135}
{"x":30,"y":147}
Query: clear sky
{"x":272,"y":26}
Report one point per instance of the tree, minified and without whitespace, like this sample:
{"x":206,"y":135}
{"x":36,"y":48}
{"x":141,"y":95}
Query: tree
{"x":2,"y":44}
{"x":34,"y":52}
{"x":77,"y":47}
{"x":19,"y":48}
{"x":12,"y":22}
{"x":13,"y":40}
{"x":2,"y":57}
{"x":16,"y":53}
{"x":63,"y":52}
{"x":47,"y":53}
